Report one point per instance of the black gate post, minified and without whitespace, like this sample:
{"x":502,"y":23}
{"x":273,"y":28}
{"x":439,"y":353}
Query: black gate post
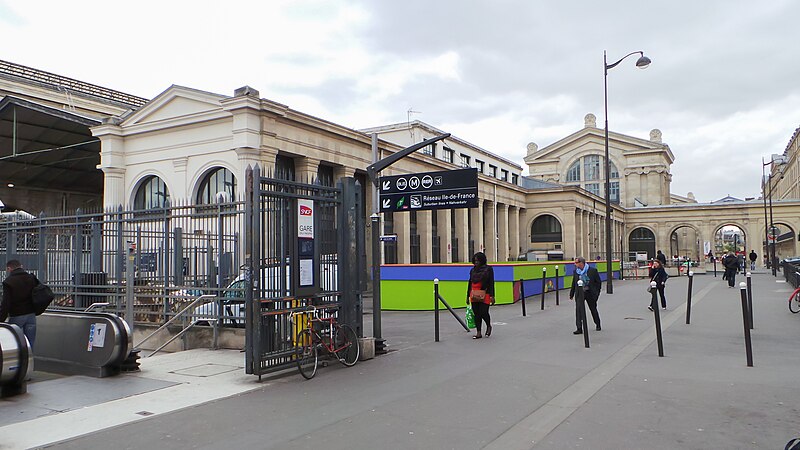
{"x":42,"y":274}
{"x":251,"y":257}
{"x":77,"y":248}
{"x":349,"y":216}
{"x":96,"y":259}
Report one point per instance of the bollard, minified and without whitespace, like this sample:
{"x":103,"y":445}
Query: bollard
{"x":689,"y":299}
{"x":436,"y":307}
{"x":657,"y":316}
{"x":544,"y":284}
{"x":582,"y":312}
{"x":522,"y":294}
{"x":558,"y":286}
{"x":747,"y":344}
{"x":749,"y":300}
{"x":715,"y":267}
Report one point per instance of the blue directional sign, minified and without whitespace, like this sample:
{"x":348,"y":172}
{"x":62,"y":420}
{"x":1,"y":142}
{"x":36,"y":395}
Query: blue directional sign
{"x":447,"y":189}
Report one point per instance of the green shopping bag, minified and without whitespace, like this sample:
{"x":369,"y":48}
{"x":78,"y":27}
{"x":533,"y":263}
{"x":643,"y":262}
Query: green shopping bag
{"x":470,"y":317}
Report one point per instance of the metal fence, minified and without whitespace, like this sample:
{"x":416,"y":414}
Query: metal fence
{"x":178,"y":253}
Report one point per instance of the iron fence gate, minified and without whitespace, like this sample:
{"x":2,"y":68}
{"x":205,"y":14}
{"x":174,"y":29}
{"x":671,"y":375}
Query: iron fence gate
{"x":287,"y":274}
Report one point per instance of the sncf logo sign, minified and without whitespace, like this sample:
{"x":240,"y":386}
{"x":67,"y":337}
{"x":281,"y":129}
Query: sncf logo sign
{"x":305,"y":210}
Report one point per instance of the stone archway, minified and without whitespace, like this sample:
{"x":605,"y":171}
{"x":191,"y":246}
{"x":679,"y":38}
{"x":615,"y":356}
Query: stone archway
{"x":785,"y":241}
{"x":685,"y":242}
{"x":730,"y":237}
{"x":642,"y":240}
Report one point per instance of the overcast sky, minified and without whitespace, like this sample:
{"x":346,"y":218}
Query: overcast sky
{"x":724,"y":85}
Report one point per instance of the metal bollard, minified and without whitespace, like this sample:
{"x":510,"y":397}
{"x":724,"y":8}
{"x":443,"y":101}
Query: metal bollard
{"x":522,"y":294}
{"x":582,"y":312}
{"x":657,"y":316}
{"x":715,"y":267}
{"x":750,"y":300}
{"x":544,"y":284}
{"x":436,"y":307}
{"x":747,"y":344}
{"x":689,"y":299}
{"x":557,"y":285}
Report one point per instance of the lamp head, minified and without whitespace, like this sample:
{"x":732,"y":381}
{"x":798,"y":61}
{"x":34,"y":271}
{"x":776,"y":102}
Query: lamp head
{"x":643,"y":62}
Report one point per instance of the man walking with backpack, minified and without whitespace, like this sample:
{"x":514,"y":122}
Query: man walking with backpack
{"x":17,"y":302}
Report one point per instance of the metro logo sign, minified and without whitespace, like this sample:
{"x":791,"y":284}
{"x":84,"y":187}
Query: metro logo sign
{"x":305,"y":218}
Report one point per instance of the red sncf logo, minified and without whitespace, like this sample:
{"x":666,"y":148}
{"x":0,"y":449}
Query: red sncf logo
{"x":305,"y":210}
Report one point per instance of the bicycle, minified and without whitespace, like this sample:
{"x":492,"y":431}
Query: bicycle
{"x":338,"y":340}
{"x":794,"y":300}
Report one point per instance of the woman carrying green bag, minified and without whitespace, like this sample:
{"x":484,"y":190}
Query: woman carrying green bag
{"x":480,"y":293}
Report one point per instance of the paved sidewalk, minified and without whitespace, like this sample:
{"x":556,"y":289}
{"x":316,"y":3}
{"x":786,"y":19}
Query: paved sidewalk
{"x":532,"y":384}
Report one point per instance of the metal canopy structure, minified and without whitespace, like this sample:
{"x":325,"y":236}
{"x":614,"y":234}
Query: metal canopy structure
{"x":45,"y":148}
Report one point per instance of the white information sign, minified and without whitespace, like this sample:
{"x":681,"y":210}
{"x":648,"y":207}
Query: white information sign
{"x":99,"y":335}
{"x":305,"y":218}
{"x":306,"y":272}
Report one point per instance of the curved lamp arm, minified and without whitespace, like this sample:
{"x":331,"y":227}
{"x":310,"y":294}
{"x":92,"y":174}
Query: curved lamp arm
{"x":641,"y":63}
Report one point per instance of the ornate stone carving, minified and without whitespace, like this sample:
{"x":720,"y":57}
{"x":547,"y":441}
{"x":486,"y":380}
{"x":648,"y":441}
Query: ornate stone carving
{"x":532,"y":148}
{"x":655,"y":135}
{"x":590,"y":121}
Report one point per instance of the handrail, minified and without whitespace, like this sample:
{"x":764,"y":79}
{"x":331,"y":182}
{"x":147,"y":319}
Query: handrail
{"x":96,"y":305}
{"x":194,"y":322}
{"x":167,"y":323}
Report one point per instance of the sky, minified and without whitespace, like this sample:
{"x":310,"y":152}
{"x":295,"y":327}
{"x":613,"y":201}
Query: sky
{"x":723,"y":87}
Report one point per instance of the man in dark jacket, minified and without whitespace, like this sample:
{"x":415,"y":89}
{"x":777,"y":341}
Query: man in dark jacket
{"x":731,"y":263}
{"x":661,"y":257}
{"x":17,"y":303}
{"x":753,"y":258}
{"x":591,"y":292}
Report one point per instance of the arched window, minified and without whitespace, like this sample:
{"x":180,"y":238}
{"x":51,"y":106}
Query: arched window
{"x":642,"y":240}
{"x":216,"y":181}
{"x":152,"y":193}
{"x":574,"y":171}
{"x":546,"y":228}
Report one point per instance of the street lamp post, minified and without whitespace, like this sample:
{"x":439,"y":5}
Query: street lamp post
{"x":643,"y":62}
{"x":771,"y":230}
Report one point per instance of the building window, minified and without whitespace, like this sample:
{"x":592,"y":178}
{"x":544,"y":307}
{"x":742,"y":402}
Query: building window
{"x":574,"y":171}
{"x":429,"y":150}
{"x":514,"y":178}
{"x":219,"y":182}
{"x":492,"y":171}
{"x":447,"y":155}
{"x":480,"y":165}
{"x":465,"y":160}
{"x":546,"y":228}
{"x":151,"y":194}
{"x":504,"y":175}
{"x":594,"y":188}
{"x":614,"y":191}
{"x":325,"y":175}
{"x":284,"y":168}
{"x":591,"y":167}
{"x":613,"y":172}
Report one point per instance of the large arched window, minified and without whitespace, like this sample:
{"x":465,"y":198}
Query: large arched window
{"x":217,"y":181}
{"x":642,"y":240}
{"x":590,"y":176}
{"x":546,"y":228}
{"x":152,"y":193}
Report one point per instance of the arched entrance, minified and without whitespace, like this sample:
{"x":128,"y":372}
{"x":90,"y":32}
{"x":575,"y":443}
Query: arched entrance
{"x":785,"y":239}
{"x":547,"y":237}
{"x":642,"y":240}
{"x":684,"y":243}
{"x":730,"y":238}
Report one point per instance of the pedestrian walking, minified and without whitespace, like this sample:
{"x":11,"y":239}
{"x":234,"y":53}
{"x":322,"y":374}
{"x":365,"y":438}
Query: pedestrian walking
{"x":731,"y":264}
{"x":753,"y":258}
{"x":591,"y":292}
{"x":17,"y":303}
{"x":661,"y":258}
{"x":659,"y":275}
{"x":480,"y":291}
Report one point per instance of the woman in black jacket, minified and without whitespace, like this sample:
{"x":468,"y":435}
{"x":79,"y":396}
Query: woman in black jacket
{"x":659,"y":275}
{"x":480,"y":291}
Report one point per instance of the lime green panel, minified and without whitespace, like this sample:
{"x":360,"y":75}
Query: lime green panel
{"x":401,"y":295}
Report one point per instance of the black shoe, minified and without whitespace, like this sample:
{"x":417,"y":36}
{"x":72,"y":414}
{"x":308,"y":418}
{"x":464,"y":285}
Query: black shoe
{"x":598,"y":328}
{"x":577,"y":332}
{"x":650,"y":307}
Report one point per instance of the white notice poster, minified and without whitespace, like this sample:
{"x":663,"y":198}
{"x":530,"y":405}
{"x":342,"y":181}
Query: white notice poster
{"x":305,"y":218}
{"x":306,"y":272}
{"x":99,"y":338}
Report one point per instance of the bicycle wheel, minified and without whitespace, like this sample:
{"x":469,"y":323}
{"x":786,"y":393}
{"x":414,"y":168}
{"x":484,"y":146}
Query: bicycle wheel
{"x":794,"y":301}
{"x":307,"y":358}
{"x":346,"y":342}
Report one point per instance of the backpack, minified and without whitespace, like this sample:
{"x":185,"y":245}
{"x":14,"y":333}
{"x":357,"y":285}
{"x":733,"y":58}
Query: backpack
{"x":42,"y":297}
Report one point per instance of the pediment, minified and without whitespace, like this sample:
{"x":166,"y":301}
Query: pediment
{"x":591,"y":136}
{"x":175,"y":103}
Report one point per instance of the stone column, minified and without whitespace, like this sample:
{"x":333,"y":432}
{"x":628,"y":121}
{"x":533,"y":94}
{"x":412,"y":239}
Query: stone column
{"x":462,"y":234}
{"x":402,"y":226}
{"x":444,"y":225}
{"x":513,"y":231}
{"x":477,"y":227}
{"x":502,"y":232}
{"x":306,"y":169}
{"x":180,"y":179}
{"x":425,"y":231}
{"x":114,"y":191}
{"x":524,"y":231}
{"x":490,"y":231}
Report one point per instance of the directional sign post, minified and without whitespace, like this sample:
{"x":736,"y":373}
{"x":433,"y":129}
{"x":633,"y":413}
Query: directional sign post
{"x":447,"y":189}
